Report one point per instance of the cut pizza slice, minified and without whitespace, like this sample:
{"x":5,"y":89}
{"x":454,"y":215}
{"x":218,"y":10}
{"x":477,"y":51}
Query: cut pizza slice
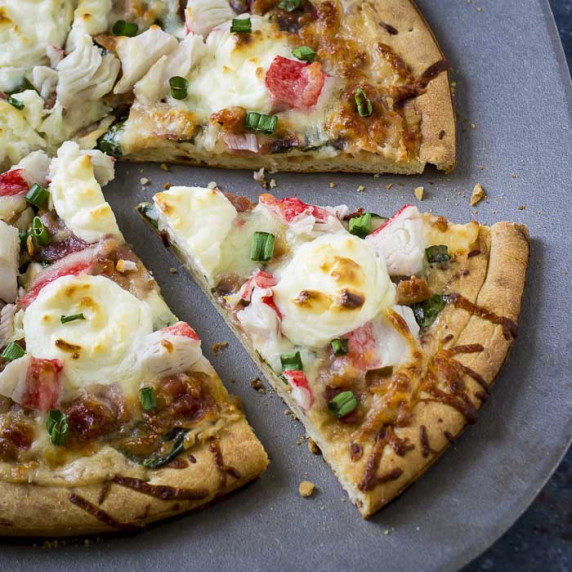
{"x":299,"y":85}
{"x":110,"y":415}
{"x":383,"y":335}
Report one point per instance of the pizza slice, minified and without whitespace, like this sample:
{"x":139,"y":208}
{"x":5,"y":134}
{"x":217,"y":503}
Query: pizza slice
{"x":295,"y":85}
{"x":110,"y":415}
{"x":383,"y":335}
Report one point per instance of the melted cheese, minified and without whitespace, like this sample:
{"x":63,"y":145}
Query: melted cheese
{"x":90,"y":17}
{"x":459,"y":238}
{"x":98,"y":349}
{"x":27,"y":29}
{"x":200,"y":220}
{"x":232,"y":71}
{"x":9,"y":251}
{"x":332,"y":286}
{"x":201,"y":16}
{"x":77,"y":195}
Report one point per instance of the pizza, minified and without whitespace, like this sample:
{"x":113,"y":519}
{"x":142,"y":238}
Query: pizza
{"x":382,"y":334}
{"x":293,"y":85}
{"x":110,"y":416}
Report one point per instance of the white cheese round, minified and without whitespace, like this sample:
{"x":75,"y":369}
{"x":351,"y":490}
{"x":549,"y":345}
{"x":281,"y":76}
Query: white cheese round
{"x":98,"y":349}
{"x":332,"y":286}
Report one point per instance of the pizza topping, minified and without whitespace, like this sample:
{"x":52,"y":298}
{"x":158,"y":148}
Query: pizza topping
{"x":147,"y":398}
{"x":9,"y":255}
{"x":201,"y":16}
{"x":241,"y":26}
{"x":343,"y":404}
{"x":400,"y":242}
{"x":304,"y":53}
{"x":426,"y":312}
{"x":39,"y":232}
{"x":437,"y":254}
{"x":340,"y":347}
{"x":123,"y":28}
{"x":259,"y":122}
{"x":294,"y":84}
{"x":179,"y":86}
{"x":262,"y":248}
{"x":291,"y":361}
{"x":38,"y":196}
{"x":12,"y":352}
{"x":13,"y":183}
{"x":360,"y":225}
{"x":413,"y":291}
{"x":301,"y":391}
{"x":364,"y":105}
{"x":57,"y":427}
{"x":291,"y":208}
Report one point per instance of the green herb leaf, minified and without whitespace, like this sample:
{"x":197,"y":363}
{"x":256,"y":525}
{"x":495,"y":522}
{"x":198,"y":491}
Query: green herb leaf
{"x":289,"y":5}
{"x":360,"y":225}
{"x":15,"y":103}
{"x":147,"y":398}
{"x":40,"y":232}
{"x":123,"y":28}
{"x":291,"y":362}
{"x":57,"y":427}
{"x":343,"y":404}
{"x":108,"y":142}
{"x":437,"y":253}
{"x":364,"y":105}
{"x":262,"y":247}
{"x":179,"y":87}
{"x":149,"y":213}
{"x":176,"y":442}
{"x":241,"y":26}
{"x":304,"y":53}
{"x":72,"y":318}
{"x":426,"y":312}
{"x":340,"y":346}
{"x":38,"y":196}
{"x":23,"y":234}
{"x":12,"y":351}
{"x":259,"y":122}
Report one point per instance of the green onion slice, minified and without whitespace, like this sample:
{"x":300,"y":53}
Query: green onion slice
{"x":38,"y":196}
{"x":23,"y":234}
{"x":179,"y":87}
{"x":123,"y":28}
{"x":40,"y":232}
{"x":241,"y":26}
{"x":57,"y":427}
{"x":108,"y":142}
{"x":364,"y":105}
{"x":291,"y":362}
{"x":343,"y":404}
{"x":149,"y":213}
{"x":289,"y":5}
{"x":15,"y":103}
{"x":12,"y":351}
{"x":259,"y":122}
{"x":340,"y":346}
{"x":437,"y":253}
{"x":262,"y":247}
{"x":72,"y":318}
{"x":304,"y":53}
{"x":147,"y":398}
{"x":426,"y":312}
{"x":360,"y":225}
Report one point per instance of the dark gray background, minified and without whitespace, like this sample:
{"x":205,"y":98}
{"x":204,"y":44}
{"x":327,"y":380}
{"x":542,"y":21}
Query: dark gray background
{"x":513,"y":100}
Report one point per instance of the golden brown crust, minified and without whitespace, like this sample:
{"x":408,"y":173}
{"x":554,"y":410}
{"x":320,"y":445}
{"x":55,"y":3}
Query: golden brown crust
{"x":222,"y":464}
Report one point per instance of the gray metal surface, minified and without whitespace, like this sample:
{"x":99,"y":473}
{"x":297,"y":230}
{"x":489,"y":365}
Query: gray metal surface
{"x":513,"y":87}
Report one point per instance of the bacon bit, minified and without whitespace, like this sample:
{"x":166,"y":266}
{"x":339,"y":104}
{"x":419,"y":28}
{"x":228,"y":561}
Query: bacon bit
{"x":294,"y":84}
{"x":181,"y":329}
{"x":241,"y":204}
{"x":413,"y":291}
{"x":478,"y":194}
{"x":306,"y":489}
{"x":12,"y":183}
{"x":42,"y":384}
{"x":291,"y":208}
{"x":231,"y":120}
{"x":301,"y":392}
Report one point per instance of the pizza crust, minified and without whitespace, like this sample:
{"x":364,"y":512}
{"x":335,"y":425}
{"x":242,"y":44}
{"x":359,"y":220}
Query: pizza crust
{"x":417,"y":46}
{"x":32,"y":510}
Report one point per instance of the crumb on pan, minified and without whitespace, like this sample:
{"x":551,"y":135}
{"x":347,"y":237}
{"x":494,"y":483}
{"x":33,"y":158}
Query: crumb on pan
{"x":259,"y":177}
{"x":273,"y":183}
{"x":306,"y":489}
{"x":333,"y":185}
{"x":173,"y":270}
{"x":144,"y":181}
{"x":167,"y":186}
{"x":164,"y":166}
{"x":258,"y":385}
{"x":521,"y":207}
{"x":478,"y":194}
{"x":388,"y":186}
{"x":212,"y":185}
{"x":313,"y":448}
{"x":219,"y":346}
{"x":419,"y":193}
{"x":361,"y":189}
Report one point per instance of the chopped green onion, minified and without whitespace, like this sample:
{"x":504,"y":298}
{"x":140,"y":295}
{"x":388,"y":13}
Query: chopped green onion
{"x":262,"y":247}
{"x":364,"y":105}
{"x":40,"y":232}
{"x":259,"y":122}
{"x":13,"y":351}
{"x":304,"y":53}
{"x":23,"y":234}
{"x":108,"y":141}
{"x":437,"y":253}
{"x":289,"y":5}
{"x":241,"y":26}
{"x":361,"y":225}
{"x":179,"y":86}
{"x":291,"y":362}
{"x":72,"y":318}
{"x":147,"y":398}
{"x":38,"y":196}
{"x":57,"y":427}
{"x":340,"y":346}
{"x":343,"y":404}
{"x":426,"y":312}
{"x":149,"y":213}
{"x":123,"y":28}
{"x":15,"y":103}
